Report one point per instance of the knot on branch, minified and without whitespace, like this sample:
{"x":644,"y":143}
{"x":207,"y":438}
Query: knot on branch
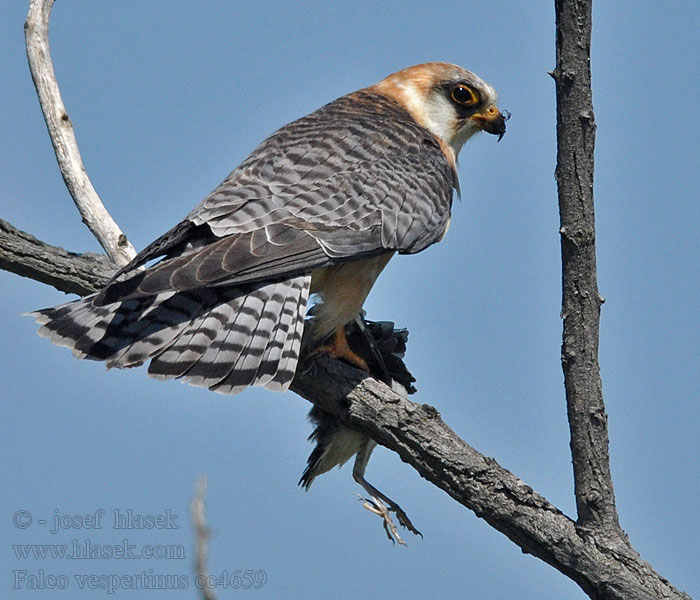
{"x":598,"y":418}
{"x":431,"y":412}
{"x":578,"y":236}
{"x":593,"y":497}
{"x":568,"y":354}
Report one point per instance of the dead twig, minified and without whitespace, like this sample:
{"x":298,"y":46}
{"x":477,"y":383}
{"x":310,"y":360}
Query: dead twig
{"x":93,"y":212}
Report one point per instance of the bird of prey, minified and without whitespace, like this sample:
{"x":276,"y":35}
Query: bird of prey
{"x":317,"y":209}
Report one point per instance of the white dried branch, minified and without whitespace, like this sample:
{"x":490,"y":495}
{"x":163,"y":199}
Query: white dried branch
{"x":62,"y":134}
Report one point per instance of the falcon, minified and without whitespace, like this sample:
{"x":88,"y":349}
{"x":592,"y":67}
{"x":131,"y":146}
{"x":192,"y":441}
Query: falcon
{"x":317,"y":210}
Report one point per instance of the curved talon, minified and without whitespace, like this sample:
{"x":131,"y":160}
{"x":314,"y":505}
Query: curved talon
{"x":404,"y":521}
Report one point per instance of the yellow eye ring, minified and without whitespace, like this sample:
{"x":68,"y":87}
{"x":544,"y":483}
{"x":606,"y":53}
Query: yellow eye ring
{"x":464,"y":96}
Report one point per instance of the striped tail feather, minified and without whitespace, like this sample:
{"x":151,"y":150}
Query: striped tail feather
{"x":223,"y":338}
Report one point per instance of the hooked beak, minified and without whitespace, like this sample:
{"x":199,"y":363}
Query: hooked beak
{"x":491,"y":121}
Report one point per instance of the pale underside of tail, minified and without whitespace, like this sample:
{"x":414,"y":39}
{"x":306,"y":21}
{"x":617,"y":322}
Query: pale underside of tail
{"x":223,"y":338}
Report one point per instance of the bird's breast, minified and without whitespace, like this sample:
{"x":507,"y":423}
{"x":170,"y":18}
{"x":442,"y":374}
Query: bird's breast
{"x":343,"y":289}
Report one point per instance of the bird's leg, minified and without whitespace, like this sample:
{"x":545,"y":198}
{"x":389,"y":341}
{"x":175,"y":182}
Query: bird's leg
{"x":340,"y":348}
{"x":378,"y":503}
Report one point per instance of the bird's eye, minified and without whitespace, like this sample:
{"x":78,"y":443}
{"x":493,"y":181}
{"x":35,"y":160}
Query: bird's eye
{"x":464,"y":95}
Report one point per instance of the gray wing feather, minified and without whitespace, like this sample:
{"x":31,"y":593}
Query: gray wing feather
{"x":357,"y":162}
{"x":410,"y":178}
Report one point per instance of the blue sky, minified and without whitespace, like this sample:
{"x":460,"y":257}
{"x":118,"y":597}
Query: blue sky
{"x":167,"y":98}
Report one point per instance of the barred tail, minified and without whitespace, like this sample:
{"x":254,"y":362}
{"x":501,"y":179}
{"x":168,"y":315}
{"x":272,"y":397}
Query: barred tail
{"x":224,"y":338}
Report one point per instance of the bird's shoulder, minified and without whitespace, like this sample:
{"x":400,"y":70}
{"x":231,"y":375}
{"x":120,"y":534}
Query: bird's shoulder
{"x":343,"y":165}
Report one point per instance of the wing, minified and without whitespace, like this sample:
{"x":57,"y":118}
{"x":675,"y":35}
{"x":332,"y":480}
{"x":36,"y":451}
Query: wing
{"x":356,"y":178}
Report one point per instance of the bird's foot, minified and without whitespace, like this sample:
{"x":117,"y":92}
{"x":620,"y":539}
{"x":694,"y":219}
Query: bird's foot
{"x":340,"y":348}
{"x":378,"y":507}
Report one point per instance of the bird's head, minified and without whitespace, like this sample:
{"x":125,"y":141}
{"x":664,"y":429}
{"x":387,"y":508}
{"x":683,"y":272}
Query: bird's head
{"x":449,"y":101}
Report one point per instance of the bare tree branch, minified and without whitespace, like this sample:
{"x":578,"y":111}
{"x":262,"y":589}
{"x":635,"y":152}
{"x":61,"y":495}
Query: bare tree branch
{"x":24,"y":255}
{"x":605,"y":567}
{"x":94,"y":214}
{"x":588,"y":422}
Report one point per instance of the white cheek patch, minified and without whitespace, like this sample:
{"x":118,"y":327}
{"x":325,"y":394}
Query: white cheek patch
{"x":441,"y":117}
{"x":442,"y":120}
{"x":437,"y":114}
{"x":433,"y":112}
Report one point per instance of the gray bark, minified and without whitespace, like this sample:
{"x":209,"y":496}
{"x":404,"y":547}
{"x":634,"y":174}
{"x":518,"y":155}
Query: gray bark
{"x":68,"y":272}
{"x":581,"y":302}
